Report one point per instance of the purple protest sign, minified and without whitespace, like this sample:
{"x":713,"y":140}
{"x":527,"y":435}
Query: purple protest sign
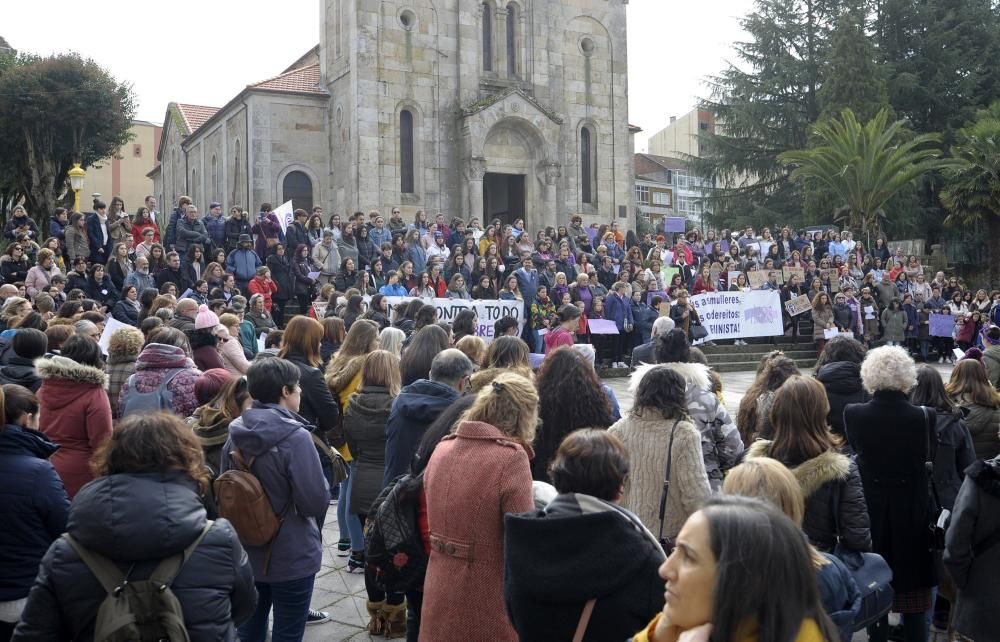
{"x":602,"y":326}
{"x":942,"y":325}
{"x":675,"y":224}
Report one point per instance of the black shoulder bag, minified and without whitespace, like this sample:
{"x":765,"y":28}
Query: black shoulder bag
{"x":940,"y":516}
{"x":667,"y":544}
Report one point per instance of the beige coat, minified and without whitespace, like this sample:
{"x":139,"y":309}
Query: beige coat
{"x":647,"y":439}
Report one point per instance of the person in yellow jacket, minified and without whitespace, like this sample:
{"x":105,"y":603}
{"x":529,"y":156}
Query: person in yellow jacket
{"x":741,"y":571}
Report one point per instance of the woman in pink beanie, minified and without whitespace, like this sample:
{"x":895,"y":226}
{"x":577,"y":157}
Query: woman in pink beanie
{"x":204,"y":342}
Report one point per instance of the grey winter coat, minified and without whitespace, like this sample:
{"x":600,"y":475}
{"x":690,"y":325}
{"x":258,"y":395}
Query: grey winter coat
{"x":720,"y":440}
{"x":976,"y":517}
{"x":822,"y":319}
{"x":893,"y":325}
{"x":189,"y":232}
{"x":984,"y":426}
{"x":140,"y":519}
{"x":365,"y":418}
{"x":289,"y":470}
{"x":821,"y":477}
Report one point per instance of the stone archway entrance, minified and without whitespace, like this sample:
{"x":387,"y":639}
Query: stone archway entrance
{"x":503,"y":197}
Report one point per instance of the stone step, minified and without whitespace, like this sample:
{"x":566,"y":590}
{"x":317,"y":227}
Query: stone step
{"x":786,"y":345}
{"x":742,"y":357}
{"x":805,"y":365}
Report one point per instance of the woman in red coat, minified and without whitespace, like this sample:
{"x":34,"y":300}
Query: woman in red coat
{"x":74,"y":410}
{"x":264,"y":286}
{"x":476,"y":476}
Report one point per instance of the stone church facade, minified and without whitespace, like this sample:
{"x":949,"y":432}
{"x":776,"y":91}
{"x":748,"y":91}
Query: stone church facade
{"x":474,"y":108}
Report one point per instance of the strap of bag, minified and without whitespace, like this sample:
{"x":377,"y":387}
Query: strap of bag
{"x":666,"y":479}
{"x":240,"y":462}
{"x":106,"y":571}
{"x":167,"y":569}
{"x":931,"y":456}
{"x":581,"y":627}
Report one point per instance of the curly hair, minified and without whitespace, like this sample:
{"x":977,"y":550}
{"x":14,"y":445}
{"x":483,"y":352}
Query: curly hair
{"x":151,"y":443}
{"x":841,"y":348}
{"x":775,"y":371}
{"x":888,"y":368}
{"x":125,"y":342}
{"x":570,"y":397}
{"x":663,"y":391}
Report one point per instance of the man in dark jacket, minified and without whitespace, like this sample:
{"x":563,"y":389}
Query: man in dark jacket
{"x":173,"y":274}
{"x":170,"y":229}
{"x":646,"y":353}
{"x":418,"y":405}
{"x":215,"y":225}
{"x":236,"y":226}
{"x":296,"y":233}
{"x":273,"y":434}
{"x":191,"y":230}
{"x":99,"y":234}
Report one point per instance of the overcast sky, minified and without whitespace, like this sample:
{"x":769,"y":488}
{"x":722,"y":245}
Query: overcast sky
{"x":205,"y":51}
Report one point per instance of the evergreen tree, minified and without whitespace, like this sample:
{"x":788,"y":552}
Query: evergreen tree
{"x":765,"y":103}
{"x":852,"y":78}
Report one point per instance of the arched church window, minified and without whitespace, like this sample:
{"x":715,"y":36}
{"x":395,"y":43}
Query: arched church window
{"x":298,"y":188}
{"x":406,"y":174}
{"x":511,"y":39}
{"x":487,"y":37}
{"x":588,"y":165}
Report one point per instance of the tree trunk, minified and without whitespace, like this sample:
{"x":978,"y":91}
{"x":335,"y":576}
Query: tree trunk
{"x":38,"y":180}
{"x":994,"y":229}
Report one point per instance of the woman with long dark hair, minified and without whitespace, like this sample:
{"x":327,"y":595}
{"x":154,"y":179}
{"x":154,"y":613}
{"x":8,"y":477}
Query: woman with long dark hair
{"x":426,"y":343}
{"x":741,"y":570}
{"x":829,"y":480}
{"x":570,"y":397}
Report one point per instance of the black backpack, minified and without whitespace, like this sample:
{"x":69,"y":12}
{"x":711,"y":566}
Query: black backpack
{"x":393,"y":546}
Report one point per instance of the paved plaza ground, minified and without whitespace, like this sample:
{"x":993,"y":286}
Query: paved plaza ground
{"x":342,"y":594}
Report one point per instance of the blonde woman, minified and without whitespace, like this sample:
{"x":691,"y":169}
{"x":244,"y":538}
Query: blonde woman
{"x":230,"y":348}
{"x":475,"y":477}
{"x":391,"y":340}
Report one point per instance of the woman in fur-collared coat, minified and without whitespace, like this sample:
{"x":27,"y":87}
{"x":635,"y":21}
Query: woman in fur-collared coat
{"x":831,"y":484}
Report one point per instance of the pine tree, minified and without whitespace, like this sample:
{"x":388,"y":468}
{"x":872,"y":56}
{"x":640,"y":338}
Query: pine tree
{"x":765,"y":103}
{"x":852,"y":78}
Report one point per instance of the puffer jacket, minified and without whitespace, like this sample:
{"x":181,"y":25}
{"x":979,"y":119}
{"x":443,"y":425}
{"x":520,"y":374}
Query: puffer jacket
{"x":155,"y":363}
{"x":74,"y":412}
{"x":139,"y":519}
{"x":364,"y":424}
{"x":720,"y":440}
{"x":842,"y":380}
{"x":820,"y":478}
{"x":415,"y":408}
{"x":984,"y":425}
{"x":35,"y":504}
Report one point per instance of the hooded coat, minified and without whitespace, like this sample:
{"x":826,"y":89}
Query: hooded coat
{"x":820,"y":478}
{"x":139,"y":519}
{"x":364,"y":425}
{"x":647,"y":438}
{"x":415,"y":408}
{"x":975,"y":518}
{"x":155,"y":363}
{"x":558,"y":558}
{"x":289,"y":470}
{"x":74,"y":412}
{"x":721,"y":443}
{"x":20,"y":371}
{"x":34,"y":503}
{"x":842,"y":381}
{"x":475,"y":476}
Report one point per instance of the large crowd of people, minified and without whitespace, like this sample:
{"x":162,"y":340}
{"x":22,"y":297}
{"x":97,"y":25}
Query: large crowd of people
{"x":178,"y":467}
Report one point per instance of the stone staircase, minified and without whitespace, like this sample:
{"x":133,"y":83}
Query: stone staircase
{"x":733,"y":358}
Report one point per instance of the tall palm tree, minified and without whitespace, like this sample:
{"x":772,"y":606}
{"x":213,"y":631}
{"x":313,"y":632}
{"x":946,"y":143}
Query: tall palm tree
{"x":865,"y":165}
{"x":972,"y":191}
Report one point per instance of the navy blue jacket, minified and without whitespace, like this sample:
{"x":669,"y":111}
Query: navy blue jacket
{"x":413,"y":411}
{"x":98,"y":253}
{"x":34,"y":504}
{"x":619,"y":309}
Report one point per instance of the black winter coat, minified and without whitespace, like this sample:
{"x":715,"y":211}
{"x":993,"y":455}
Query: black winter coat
{"x":281,"y":274}
{"x":103,"y":292}
{"x":141,"y":519}
{"x":13,"y":271}
{"x":34,"y":505}
{"x":954,"y":454}
{"x":22,"y":372}
{"x":842,"y":380}
{"x":413,"y":411}
{"x":563,"y":560}
{"x":300,"y":272}
{"x":820,"y":478}
{"x":889,"y":435}
{"x":319,"y":407}
{"x":235,"y":228}
{"x":365,"y":417}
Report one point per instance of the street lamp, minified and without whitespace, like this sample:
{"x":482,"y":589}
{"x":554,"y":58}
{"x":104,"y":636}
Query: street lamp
{"x":76,"y":176}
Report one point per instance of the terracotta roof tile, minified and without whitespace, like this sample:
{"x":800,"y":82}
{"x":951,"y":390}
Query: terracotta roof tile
{"x":304,"y":79}
{"x":195,"y":115}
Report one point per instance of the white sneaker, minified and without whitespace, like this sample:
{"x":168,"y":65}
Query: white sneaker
{"x":941,"y":360}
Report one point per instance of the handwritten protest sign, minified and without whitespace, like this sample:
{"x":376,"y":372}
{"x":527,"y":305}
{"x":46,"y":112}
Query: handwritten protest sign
{"x":798,"y":305}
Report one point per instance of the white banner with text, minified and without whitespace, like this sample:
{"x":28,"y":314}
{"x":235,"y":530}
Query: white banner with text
{"x":489,"y":311}
{"x":739,"y":315}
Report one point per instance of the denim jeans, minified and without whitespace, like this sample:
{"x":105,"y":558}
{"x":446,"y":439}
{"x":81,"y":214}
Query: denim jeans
{"x":291,"y":607}
{"x":350,"y":526}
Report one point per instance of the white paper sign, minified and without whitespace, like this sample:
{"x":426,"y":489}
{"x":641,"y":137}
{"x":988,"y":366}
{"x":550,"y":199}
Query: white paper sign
{"x":830,"y":333}
{"x":488,"y":311}
{"x":262,"y":342}
{"x":313,"y":275}
{"x":110,"y":325}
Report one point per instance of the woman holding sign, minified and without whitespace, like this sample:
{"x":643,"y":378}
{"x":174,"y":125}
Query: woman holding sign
{"x":791,"y":290}
{"x":822,"y":318}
